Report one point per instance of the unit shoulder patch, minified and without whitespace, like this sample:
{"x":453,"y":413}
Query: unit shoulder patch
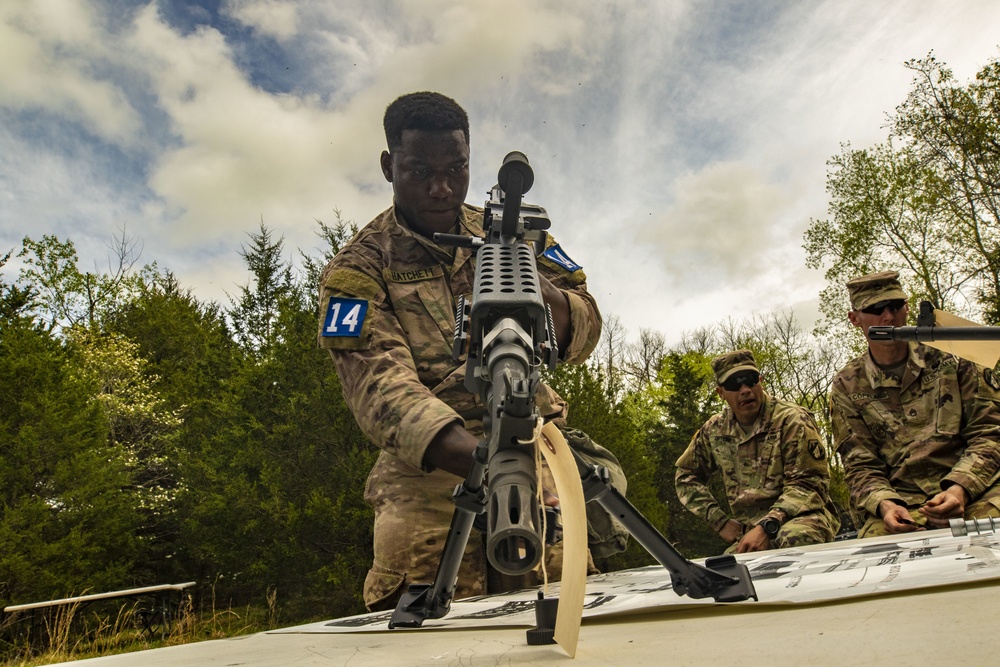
{"x":558,"y":256}
{"x":817,"y":450}
{"x":344,"y":318}
{"x":991,"y":378}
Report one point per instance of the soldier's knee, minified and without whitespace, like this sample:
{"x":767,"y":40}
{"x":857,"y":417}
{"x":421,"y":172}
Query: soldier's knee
{"x":383,"y":588}
{"x":814,"y":528}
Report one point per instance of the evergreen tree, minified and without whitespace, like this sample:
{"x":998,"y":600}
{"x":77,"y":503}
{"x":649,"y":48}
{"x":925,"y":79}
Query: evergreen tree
{"x":594,"y":410}
{"x":254,"y":314}
{"x":68,"y":511}
{"x":689,"y":399}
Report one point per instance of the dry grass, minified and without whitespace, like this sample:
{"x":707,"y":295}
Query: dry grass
{"x":71,"y":634}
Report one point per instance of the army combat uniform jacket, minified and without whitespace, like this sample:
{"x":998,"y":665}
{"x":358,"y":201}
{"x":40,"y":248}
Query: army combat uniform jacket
{"x":908,"y":440}
{"x":779,"y":469}
{"x":387,"y":315}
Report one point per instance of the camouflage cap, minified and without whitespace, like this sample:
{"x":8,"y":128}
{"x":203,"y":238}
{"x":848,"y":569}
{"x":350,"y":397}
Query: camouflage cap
{"x":875,"y":287}
{"x":726,"y":364}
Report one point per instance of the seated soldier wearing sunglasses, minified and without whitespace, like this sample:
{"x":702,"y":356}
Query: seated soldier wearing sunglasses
{"x":773,"y":464}
{"x":918,"y":429}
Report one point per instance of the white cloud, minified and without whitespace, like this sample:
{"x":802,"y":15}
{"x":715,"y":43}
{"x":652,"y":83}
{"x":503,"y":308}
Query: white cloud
{"x":722,"y":217}
{"x":273,"y":18}
{"x":47,"y":49}
{"x":679,"y":146}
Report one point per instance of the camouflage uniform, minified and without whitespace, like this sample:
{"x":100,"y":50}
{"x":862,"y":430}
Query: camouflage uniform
{"x":779,"y":469}
{"x":387,"y":304}
{"x":908,"y":440}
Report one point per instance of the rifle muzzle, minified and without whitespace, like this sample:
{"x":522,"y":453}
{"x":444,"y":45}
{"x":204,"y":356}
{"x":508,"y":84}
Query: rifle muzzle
{"x":513,"y":544}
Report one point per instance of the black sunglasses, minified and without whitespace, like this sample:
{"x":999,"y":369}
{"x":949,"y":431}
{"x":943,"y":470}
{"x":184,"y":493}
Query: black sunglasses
{"x":878,"y":308}
{"x":749,"y":379}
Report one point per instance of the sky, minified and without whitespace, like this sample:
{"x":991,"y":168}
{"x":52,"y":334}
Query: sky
{"x":679,"y":146}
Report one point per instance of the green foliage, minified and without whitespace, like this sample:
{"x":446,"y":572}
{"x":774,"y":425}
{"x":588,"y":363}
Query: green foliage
{"x":611,"y":424}
{"x":687,"y":400}
{"x":14,"y":300}
{"x":189,"y":360}
{"x":149,"y":442}
{"x":62,"y":296}
{"x":257,"y":309}
{"x":334,"y":238}
{"x":68,"y":512}
{"x":279,"y":499}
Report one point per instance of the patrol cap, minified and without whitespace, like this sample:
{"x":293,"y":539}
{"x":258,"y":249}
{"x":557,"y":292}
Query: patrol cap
{"x":874,"y":287}
{"x":726,"y":364}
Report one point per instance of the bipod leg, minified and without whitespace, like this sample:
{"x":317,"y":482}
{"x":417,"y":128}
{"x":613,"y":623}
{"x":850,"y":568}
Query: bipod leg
{"x":723,"y":578}
{"x":423,"y":601}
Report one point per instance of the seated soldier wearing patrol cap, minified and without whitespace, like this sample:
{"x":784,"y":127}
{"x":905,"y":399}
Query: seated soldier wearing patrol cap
{"x":773,"y":464}
{"x":918,"y":429}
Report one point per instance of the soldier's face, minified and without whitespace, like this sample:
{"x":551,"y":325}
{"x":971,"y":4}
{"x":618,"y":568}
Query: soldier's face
{"x":745,"y":402}
{"x":887,"y":318}
{"x":429,"y":173}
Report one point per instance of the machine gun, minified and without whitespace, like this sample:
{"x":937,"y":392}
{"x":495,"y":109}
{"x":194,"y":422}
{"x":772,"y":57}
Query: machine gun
{"x":508,"y":332}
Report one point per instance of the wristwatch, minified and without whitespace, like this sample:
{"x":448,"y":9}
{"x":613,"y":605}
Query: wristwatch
{"x":770,"y":526}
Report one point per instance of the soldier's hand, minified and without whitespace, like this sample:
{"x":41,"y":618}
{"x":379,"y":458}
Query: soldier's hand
{"x":949,"y":504}
{"x":731,"y":531}
{"x":451,"y":450}
{"x":755,"y":540}
{"x":896,"y":518}
{"x":550,"y":498}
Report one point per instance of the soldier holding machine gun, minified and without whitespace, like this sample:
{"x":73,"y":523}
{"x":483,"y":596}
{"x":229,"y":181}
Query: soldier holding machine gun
{"x":918,"y":429}
{"x":387,"y":312}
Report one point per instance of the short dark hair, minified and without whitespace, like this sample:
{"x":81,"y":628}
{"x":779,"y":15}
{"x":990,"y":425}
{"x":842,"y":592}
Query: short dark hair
{"x":423,"y":111}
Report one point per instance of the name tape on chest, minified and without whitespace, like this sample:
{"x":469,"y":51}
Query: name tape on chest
{"x":344,"y":317}
{"x":412,"y":275}
{"x":557,"y":255}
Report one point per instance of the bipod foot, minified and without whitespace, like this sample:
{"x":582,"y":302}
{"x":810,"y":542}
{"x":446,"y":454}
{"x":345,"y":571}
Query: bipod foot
{"x":545,"y":621}
{"x":415,"y":606}
{"x":741,"y":589}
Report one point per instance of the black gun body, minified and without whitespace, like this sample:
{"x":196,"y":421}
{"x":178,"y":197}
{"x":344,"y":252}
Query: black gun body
{"x":509,"y":333}
{"x":508,"y":323}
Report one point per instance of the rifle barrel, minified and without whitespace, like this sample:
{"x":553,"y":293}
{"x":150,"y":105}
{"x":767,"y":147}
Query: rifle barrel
{"x":930,"y":334}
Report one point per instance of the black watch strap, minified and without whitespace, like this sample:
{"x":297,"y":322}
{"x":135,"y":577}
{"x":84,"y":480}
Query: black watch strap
{"x":770,"y":526}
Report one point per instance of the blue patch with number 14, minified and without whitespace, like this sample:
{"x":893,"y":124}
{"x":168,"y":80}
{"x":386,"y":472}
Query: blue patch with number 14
{"x":344,"y":317}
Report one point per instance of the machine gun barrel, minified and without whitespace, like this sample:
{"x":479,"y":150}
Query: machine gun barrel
{"x":932,"y":333}
{"x":927,"y":332}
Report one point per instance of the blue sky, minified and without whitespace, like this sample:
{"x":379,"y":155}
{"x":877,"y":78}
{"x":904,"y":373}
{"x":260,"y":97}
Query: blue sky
{"x":679,"y":147}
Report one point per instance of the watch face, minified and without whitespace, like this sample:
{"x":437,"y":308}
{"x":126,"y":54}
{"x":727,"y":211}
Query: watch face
{"x":770,"y":526}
